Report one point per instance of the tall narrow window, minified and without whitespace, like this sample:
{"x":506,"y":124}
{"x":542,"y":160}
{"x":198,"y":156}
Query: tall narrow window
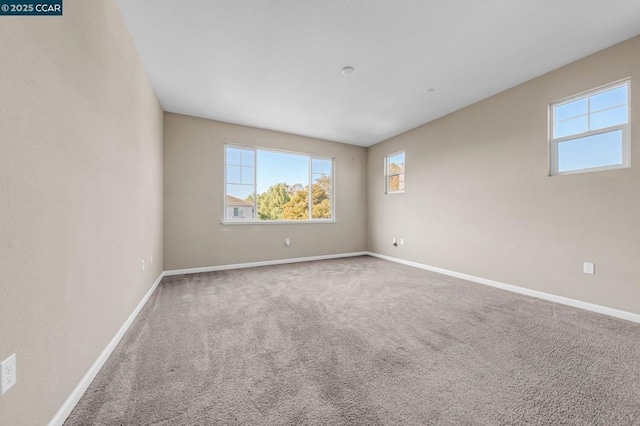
{"x":264,"y":185}
{"x":321,"y":188}
{"x":240,"y":181}
{"x":590,"y":132}
{"x":394,"y":172}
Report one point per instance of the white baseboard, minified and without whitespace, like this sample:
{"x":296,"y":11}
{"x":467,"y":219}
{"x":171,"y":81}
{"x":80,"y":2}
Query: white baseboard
{"x":629,"y":316}
{"x":264,"y":263}
{"x":70,"y":403}
{"x":76,"y":394}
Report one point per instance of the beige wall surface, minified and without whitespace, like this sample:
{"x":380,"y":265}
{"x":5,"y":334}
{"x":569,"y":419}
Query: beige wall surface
{"x":81,"y":205}
{"x":193,"y":198}
{"x":479,"y":199}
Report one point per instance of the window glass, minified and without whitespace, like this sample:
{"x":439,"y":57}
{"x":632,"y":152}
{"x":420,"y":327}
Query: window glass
{"x":321,"y":185}
{"x":394,"y":172}
{"x":591,"y":132}
{"x":608,"y":99}
{"x":571,"y":127}
{"x":281,"y":186}
{"x":608,"y":117}
{"x":571,"y":109}
{"x":604,"y":149}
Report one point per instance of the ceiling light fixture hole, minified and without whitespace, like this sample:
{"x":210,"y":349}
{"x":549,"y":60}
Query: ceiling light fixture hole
{"x":347,"y":70}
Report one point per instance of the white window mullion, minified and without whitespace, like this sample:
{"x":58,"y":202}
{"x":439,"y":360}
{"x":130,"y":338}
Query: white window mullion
{"x":589,"y":114}
{"x":389,"y":174}
{"x":386,"y":175}
{"x":578,"y":155}
{"x":226,"y":183}
{"x":237,"y":186}
{"x":310,"y":187}
{"x":255,"y":184}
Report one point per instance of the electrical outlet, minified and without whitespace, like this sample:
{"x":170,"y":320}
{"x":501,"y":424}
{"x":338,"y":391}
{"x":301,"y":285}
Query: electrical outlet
{"x":401,"y":241}
{"x":589,"y":268}
{"x":8,"y":374}
{"x":142,"y":263}
{"x":287,"y":242}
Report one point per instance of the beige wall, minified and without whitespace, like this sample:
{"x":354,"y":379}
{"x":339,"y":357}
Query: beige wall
{"x":81,"y":170}
{"x":193,"y":198}
{"x":81,"y":204}
{"x":480,"y":201}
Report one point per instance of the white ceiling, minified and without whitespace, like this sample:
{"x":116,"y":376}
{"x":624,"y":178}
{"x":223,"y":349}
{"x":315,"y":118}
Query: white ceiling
{"x":275,"y":64}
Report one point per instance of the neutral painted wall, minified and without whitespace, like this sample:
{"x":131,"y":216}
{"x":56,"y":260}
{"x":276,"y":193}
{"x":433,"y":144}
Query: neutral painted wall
{"x":81,"y":204}
{"x":193,"y":198}
{"x":480,"y":201}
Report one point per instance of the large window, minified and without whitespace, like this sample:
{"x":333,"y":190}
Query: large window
{"x":265,"y":186}
{"x":590,"y":131}
{"x":394,"y":172}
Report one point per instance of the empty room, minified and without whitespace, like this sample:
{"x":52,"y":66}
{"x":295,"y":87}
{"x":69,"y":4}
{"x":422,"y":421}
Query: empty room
{"x":323,"y":212}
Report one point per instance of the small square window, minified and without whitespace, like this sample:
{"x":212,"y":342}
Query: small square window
{"x":590,"y":132}
{"x":394,"y":169}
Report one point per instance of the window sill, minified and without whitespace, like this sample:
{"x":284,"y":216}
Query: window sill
{"x":590,"y":170}
{"x":276,"y":222}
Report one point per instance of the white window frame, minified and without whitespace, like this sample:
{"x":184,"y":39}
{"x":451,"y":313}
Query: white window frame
{"x":624,"y":128}
{"x":387,"y":175}
{"x":255,"y":149}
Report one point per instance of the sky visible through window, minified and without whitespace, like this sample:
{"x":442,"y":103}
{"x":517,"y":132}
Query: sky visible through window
{"x":279,"y":185}
{"x":273,"y":167}
{"x":591,"y":113}
{"x":604,"y":149}
{"x":281,"y":167}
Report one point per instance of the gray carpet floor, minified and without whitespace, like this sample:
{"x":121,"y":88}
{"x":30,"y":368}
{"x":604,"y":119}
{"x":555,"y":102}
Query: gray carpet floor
{"x":362,"y":341}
